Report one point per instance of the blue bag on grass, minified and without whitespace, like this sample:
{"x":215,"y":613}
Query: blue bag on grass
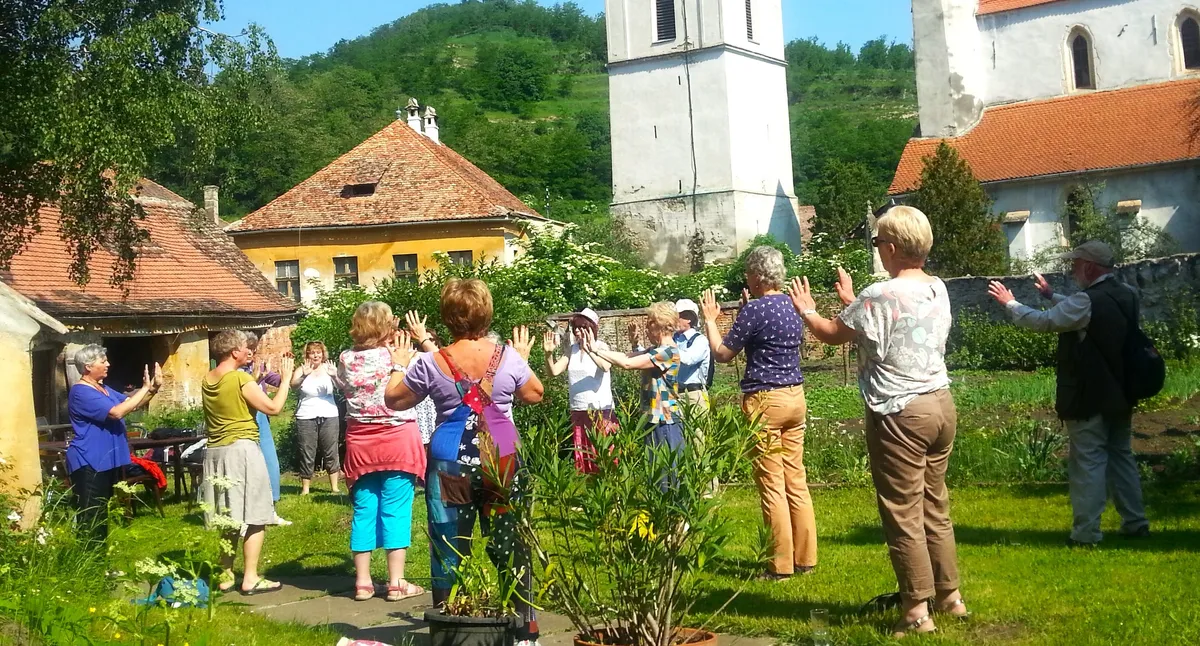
{"x":178,"y":593}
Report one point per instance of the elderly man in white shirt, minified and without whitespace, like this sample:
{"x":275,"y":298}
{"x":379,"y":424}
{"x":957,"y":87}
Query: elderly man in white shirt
{"x":1092,"y":398}
{"x":694,"y":355}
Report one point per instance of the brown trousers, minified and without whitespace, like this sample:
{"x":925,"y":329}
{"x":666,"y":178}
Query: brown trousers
{"x":787,"y":507}
{"x":910,"y":451}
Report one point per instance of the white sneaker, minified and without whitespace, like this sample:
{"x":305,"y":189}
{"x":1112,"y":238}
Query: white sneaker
{"x":281,"y":521}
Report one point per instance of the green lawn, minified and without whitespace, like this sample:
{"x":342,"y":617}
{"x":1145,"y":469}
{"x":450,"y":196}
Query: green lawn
{"x":1023,"y":585}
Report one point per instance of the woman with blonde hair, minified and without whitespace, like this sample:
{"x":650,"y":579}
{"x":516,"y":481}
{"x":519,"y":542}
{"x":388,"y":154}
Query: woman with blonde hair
{"x":317,"y":417}
{"x":473,"y":383}
{"x":771,"y":333}
{"x":384,"y":454}
{"x":900,"y":326}
{"x":236,"y":486}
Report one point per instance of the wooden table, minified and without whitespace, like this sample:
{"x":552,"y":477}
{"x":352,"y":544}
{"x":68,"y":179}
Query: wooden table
{"x":139,"y":444}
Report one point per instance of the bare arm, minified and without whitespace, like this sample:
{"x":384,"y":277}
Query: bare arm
{"x":531,"y":391}
{"x":549,"y":344}
{"x":833,"y":332}
{"x":712,"y":311}
{"x":258,"y":399}
{"x":142,"y":396}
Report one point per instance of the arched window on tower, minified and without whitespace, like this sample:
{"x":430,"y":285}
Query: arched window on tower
{"x":664,"y":20}
{"x":1189,"y":42}
{"x":1081,"y":60}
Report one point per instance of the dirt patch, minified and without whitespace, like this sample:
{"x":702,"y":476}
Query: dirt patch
{"x":997,"y":633}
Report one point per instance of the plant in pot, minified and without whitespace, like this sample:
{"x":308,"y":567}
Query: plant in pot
{"x":480,"y":610}
{"x":623,"y":551}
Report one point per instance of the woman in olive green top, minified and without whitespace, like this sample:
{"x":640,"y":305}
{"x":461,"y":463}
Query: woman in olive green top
{"x":236,"y":488}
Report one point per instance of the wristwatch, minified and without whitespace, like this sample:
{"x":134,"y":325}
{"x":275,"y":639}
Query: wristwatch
{"x":807,"y":312}
{"x":399,"y":368}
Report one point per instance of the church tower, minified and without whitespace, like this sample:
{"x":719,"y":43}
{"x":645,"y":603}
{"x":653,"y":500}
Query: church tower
{"x":701,"y":143}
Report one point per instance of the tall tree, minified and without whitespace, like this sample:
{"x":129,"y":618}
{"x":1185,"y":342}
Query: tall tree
{"x":967,"y":240}
{"x":93,"y":90}
{"x":843,"y":192}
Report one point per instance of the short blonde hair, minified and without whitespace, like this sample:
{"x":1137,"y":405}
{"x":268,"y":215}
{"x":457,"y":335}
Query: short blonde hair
{"x":225,"y":343}
{"x":766,"y":263}
{"x":908,"y":229}
{"x":467,"y":308}
{"x":372,"y":325}
{"x":319,"y":345}
{"x":661,"y":316}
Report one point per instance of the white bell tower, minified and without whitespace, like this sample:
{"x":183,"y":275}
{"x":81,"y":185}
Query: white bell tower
{"x":701,"y":140}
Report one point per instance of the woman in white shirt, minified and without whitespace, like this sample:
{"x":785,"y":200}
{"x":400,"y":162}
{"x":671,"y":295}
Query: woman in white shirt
{"x":590,"y":385}
{"x":317,"y":419}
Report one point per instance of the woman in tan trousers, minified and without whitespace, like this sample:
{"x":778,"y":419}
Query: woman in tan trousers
{"x":770,"y":332}
{"x":900,"y":326}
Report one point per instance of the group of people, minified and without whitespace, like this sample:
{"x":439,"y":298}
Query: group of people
{"x":417,"y":411}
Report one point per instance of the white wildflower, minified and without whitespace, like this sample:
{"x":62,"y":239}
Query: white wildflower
{"x":14,"y":516}
{"x":222,"y":483}
{"x":221,"y":522}
{"x":125,"y":487}
{"x":42,"y":533}
{"x":150,"y":567}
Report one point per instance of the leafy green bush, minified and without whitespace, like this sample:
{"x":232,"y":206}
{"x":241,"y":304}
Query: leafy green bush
{"x":978,"y":343}
{"x":1177,"y":333}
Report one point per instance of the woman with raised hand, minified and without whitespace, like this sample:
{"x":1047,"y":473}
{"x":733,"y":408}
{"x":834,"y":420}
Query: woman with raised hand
{"x":473,"y":383}
{"x":771,"y":333}
{"x":589,"y":384}
{"x":236,"y":486}
{"x":99,"y":448}
{"x":384,"y":454}
{"x":260,"y":369}
{"x":901,"y":326}
{"x":317,"y":418}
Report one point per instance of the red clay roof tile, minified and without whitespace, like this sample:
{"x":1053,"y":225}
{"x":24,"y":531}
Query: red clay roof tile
{"x":417,"y":180}
{"x":190,"y":267}
{"x":1149,"y":124}
{"x":996,"y":6}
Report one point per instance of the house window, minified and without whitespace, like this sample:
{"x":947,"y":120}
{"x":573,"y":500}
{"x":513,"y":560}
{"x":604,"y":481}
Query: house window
{"x":345,"y":270}
{"x":358,"y":190}
{"x":1189,"y":41}
{"x":749,"y":21}
{"x":406,"y":266}
{"x":287,"y":278}
{"x":664,"y":20}
{"x":1081,"y":61}
{"x":462,"y":257}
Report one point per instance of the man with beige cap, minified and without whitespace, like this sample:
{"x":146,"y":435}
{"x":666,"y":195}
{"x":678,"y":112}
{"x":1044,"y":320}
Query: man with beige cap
{"x":695,"y":357}
{"x":1093,"y":326}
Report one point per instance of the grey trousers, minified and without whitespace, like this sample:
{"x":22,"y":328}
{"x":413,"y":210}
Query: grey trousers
{"x":1101,"y":464}
{"x":313,"y":435}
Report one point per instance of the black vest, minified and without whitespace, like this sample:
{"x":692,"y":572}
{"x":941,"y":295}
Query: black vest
{"x":1091,"y":371}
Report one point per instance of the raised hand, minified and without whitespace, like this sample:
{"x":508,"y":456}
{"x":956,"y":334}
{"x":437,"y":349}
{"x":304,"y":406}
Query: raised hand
{"x":745,"y":296}
{"x":1043,"y":285}
{"x":635,"y":334}
{"x":709,"y":306}
{"x":287,"y":367}
{"x":158,"y":376}
{"x":146,"y":383}
{"x":844,"y":287}
{"x":1002,"y":294}
{"x":521,"y":342}
{"x":587,"y":342}
{"x":330,"y":368}
{"x":307,"y":368}
{"x":549,"y":341}
{"x":416,"y":325}
{"x":801,"y":295}
{"x":401,"y":348}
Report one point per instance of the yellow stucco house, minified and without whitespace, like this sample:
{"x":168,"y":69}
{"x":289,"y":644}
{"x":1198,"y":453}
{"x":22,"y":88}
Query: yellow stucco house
{"x":383,"y":210}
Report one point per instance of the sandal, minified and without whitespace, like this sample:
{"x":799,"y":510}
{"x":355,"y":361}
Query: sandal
{"x":882,"y":603}
{"x":404,"y":591}
{"x":903,"y":629}
{"x":364,"y":592}
{"x":262,"y":586}
{"x":949,"y":610}
{"x":225,"y":581}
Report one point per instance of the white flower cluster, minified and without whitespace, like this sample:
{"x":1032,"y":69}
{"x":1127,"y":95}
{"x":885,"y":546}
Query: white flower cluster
{"x":223,"y":523}
{"x":150,"y":567}
{"x":222,"y":483}
{"x":124,"y":487}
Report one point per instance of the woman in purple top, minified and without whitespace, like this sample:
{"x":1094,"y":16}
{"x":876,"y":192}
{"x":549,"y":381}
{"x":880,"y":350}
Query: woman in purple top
{"x":771,"y":332}
{"x":99,"y":449}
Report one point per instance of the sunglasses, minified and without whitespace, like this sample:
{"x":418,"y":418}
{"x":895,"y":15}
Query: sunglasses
{"x":876,"y":241}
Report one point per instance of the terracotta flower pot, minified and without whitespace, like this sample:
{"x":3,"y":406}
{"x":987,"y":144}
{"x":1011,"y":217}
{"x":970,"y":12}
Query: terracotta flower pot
{"x":683,"y":636}
{"x":449,"y":630}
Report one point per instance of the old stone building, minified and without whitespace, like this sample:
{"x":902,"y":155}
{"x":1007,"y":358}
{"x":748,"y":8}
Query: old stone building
{"x":1045,"y":97}
{"x":191,"y":281}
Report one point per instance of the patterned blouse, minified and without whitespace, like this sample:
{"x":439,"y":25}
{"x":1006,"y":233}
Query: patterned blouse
{"x":902,"y":327}
{"x":364,"y":377}
{"x":660,"y":392}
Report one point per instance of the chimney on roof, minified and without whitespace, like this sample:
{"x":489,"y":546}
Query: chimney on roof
{"x":414,"y":114}
{"x":212,"y":203}
{"x":431,"y":125}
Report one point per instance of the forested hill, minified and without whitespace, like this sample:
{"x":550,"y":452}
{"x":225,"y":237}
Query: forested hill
{"x":521,"y":90}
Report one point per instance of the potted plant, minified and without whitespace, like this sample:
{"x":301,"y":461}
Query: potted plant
{"x":480,"y":609}
{"x":622,"y":550}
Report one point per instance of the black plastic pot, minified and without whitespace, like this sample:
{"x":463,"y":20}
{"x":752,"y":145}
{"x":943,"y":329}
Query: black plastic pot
{"x":449,"y":630}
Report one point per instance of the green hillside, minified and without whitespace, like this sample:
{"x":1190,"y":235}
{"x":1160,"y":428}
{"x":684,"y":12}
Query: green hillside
{"x":521,"y":90}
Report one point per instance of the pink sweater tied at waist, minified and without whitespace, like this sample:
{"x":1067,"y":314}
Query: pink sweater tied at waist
{"x":372,"y":447}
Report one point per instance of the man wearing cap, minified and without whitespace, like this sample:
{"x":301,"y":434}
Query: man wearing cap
{"x":1092,"y":325}
{"x":694,"y":355}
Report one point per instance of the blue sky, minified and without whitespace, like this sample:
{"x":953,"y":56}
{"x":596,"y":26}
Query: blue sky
{"x":301,"y":27}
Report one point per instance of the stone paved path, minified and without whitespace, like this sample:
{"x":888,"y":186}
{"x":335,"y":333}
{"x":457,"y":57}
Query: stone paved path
{"x":329,"y":600}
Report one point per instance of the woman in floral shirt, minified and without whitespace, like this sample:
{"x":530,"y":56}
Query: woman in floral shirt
{"x":384,"y":454}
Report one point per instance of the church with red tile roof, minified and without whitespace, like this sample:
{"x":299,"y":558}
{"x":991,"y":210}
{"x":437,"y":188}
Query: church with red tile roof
{"x":1046,"y":98}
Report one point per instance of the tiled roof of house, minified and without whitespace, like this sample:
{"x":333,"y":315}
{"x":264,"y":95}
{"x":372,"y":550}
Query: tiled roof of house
{"x":190,"y":267}
{"x":1144,"y":125}
{"x":416,"y":180}
{"x":996,"y":6}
